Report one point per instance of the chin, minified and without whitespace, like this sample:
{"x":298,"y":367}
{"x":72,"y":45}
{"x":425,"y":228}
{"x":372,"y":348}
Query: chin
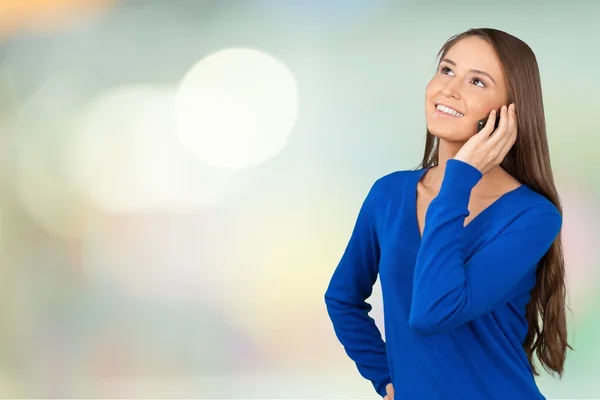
{"x":450,"y":129}
{"x":449,"y":134}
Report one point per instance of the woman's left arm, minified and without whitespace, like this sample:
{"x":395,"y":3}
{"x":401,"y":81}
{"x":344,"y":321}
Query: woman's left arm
{"x":449,"y":292}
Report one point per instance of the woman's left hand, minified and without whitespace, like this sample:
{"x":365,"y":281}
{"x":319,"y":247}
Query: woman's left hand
{"x":485,"y":151}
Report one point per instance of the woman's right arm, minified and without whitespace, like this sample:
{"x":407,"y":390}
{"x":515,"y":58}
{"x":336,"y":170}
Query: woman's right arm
{"x":350,"y":286}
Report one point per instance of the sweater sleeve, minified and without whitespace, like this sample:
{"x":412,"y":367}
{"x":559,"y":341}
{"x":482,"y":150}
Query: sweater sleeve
{"x":351,"y":284}
{"x":449,"y":292}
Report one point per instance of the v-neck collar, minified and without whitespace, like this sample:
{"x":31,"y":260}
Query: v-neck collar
{"x":411,"y":203}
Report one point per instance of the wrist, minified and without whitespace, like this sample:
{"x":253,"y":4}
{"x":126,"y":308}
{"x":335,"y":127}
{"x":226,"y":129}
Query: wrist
{"x":460,"y":178}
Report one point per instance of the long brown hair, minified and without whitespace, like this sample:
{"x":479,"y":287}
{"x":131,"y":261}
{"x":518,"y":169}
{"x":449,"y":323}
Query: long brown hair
{"x":529,"y":162}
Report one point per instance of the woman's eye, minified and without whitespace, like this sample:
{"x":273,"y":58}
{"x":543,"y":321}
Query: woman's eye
{"x":478,"y":82}
{"x":446,"y":70}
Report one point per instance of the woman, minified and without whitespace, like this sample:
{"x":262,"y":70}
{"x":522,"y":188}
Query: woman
{"x":468,"y":246}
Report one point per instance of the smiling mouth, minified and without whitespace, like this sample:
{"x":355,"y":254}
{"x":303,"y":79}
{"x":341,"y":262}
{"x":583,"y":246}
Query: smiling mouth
{"x":448,"y":110}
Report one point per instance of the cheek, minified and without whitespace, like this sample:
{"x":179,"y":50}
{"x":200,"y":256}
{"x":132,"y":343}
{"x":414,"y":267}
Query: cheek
{"x":481,"y":102}
{"x":431,"y":92}
{"x":431,"y":89}
{"x":480,"y":107}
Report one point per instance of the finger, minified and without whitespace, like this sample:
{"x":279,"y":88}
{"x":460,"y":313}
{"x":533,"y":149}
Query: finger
{"x":389,"y":389}
{"x":503,"y":152}
{"x":489,"y":125}
{"x":508,"y":144}
{"x":511,"y":127}
{"x":503,"y":125}
{"x":512,"y":118}
{"x":500,"y":132}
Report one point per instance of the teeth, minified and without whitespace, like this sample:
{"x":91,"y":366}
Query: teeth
{"x":448,"y":110}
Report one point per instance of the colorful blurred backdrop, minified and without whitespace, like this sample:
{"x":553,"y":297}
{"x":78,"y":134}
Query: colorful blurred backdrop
{"x":179,"y":180}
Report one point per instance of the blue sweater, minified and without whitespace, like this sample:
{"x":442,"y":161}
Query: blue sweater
{"x":454,"y":298}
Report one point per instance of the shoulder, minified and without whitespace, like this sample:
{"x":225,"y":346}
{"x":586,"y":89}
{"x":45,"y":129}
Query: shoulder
{"x":523,"y":219}
{"x":525,"y":198}
{"x":534,"y":209}
{"x":390,"y":191}
{"x":534,"y":202}
{"x":391,"y":188}
{"x":394,"y":182}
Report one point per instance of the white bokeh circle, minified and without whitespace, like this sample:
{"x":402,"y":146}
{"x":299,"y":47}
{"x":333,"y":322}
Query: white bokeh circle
{"x":236,"y":108}
{"x":126,"y":156}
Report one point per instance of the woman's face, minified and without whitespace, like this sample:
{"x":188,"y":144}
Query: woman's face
{"x":468,"y":84}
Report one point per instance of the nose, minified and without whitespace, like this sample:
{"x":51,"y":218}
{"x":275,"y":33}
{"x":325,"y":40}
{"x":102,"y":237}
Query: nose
{"x":452,"y":89}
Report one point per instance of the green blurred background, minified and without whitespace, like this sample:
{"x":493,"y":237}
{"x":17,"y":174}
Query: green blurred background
{"x":180,"y":178}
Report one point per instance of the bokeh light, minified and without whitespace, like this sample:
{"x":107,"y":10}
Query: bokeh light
{"x":581,"y":233}
{"x":141,"y":258}
{"x":126,"y":156}
{"x":44,"y":186}
{"x":236,"y":108}
{"x":42,"y":15}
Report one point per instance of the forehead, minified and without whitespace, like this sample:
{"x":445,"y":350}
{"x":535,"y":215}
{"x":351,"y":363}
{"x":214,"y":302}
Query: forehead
{"x":476,"y":53}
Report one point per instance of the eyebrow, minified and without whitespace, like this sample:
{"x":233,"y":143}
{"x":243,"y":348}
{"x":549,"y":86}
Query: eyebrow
{"x":477,"y":71}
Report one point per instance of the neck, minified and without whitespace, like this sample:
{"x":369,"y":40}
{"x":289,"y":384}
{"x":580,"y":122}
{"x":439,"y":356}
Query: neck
{"x":447,"y":150}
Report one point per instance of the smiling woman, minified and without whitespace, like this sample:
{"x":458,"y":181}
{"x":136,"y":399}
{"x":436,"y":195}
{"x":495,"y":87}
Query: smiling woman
{"x":468,"y":89}
{"x":468,"y":246}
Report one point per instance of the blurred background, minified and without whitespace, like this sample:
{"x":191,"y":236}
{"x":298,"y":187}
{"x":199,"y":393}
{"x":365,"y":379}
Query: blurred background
{"x":180,"y":178}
